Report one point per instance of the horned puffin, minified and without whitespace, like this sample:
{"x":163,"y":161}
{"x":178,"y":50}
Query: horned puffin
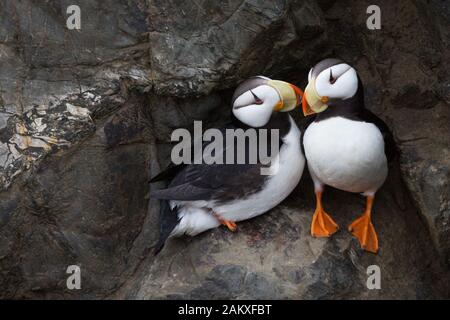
{"x":346,"y":146}
{"x":204,"y":196}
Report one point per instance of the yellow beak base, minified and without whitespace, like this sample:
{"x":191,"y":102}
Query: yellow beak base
{"x":312,"y":102}
{"x":290,"y":95}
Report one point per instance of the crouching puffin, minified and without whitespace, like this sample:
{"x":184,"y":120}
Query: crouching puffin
{"x":346,"y":146}
{"x":204,"y":196}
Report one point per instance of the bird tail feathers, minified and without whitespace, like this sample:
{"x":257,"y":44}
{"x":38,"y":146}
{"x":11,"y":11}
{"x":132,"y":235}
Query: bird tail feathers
{"x":168,"y":220}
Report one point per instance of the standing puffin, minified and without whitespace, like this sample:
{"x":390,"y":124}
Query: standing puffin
{"x":203,"y":196}
{"x":346,"y":146}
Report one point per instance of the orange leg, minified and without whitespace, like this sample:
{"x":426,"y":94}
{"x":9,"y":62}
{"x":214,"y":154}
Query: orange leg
{"x":322,"y":224}
{"x":363,"y":229}
{"x":231,"y":225}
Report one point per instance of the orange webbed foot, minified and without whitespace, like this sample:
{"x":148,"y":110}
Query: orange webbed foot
{"x":363,"y":229}
{"x":322,"y":224}
{"x":231,"y":225}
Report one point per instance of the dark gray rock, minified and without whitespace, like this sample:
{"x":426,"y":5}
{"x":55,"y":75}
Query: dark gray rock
{"x":196,"y":49}
{"x":403,"y":69}
{"x":86,"y":117}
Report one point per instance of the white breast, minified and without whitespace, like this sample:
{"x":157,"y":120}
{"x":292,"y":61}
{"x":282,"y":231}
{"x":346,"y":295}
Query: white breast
{"x":346,"y":154}
{"x":277,"y":187}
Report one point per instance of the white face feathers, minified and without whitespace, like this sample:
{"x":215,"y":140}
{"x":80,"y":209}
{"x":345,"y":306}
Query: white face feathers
{"x":337,"y":82}
{"x":255,"y":106}
{"x":255,"y":99}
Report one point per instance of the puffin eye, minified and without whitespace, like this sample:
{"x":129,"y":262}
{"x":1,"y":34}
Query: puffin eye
{"x":257,"y":100}
{"x":332,"y":79}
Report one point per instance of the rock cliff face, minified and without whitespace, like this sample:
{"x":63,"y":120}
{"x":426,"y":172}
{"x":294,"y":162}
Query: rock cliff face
{"x":86,"y":117}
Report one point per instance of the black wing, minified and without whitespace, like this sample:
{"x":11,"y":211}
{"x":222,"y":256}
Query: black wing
{"x":214,"y":181}
{"x":172,"y":169}
{"x":167,"y":174}
{"x":390,"y":147}
{"x":205,"y":182}
{"x":168,"y":221}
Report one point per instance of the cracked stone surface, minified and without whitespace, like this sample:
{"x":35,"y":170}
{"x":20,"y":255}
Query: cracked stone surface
{"x":86,"y":117}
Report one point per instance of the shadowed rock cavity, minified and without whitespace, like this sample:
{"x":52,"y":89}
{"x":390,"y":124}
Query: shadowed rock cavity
{"x":86,"y":118}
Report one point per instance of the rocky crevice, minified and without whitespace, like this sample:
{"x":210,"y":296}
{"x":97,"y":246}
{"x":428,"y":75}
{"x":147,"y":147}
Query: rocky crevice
{"x":86,"y":116}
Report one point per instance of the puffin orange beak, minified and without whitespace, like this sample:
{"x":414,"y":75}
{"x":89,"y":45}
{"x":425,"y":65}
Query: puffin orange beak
{"x":290,"y":95}
{"x":298,"y":94}
{"x":312,"y":102}
{"x":306,"y":107}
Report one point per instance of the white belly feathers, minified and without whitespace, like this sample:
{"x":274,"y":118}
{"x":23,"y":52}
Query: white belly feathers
{"x":346,"y":154}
